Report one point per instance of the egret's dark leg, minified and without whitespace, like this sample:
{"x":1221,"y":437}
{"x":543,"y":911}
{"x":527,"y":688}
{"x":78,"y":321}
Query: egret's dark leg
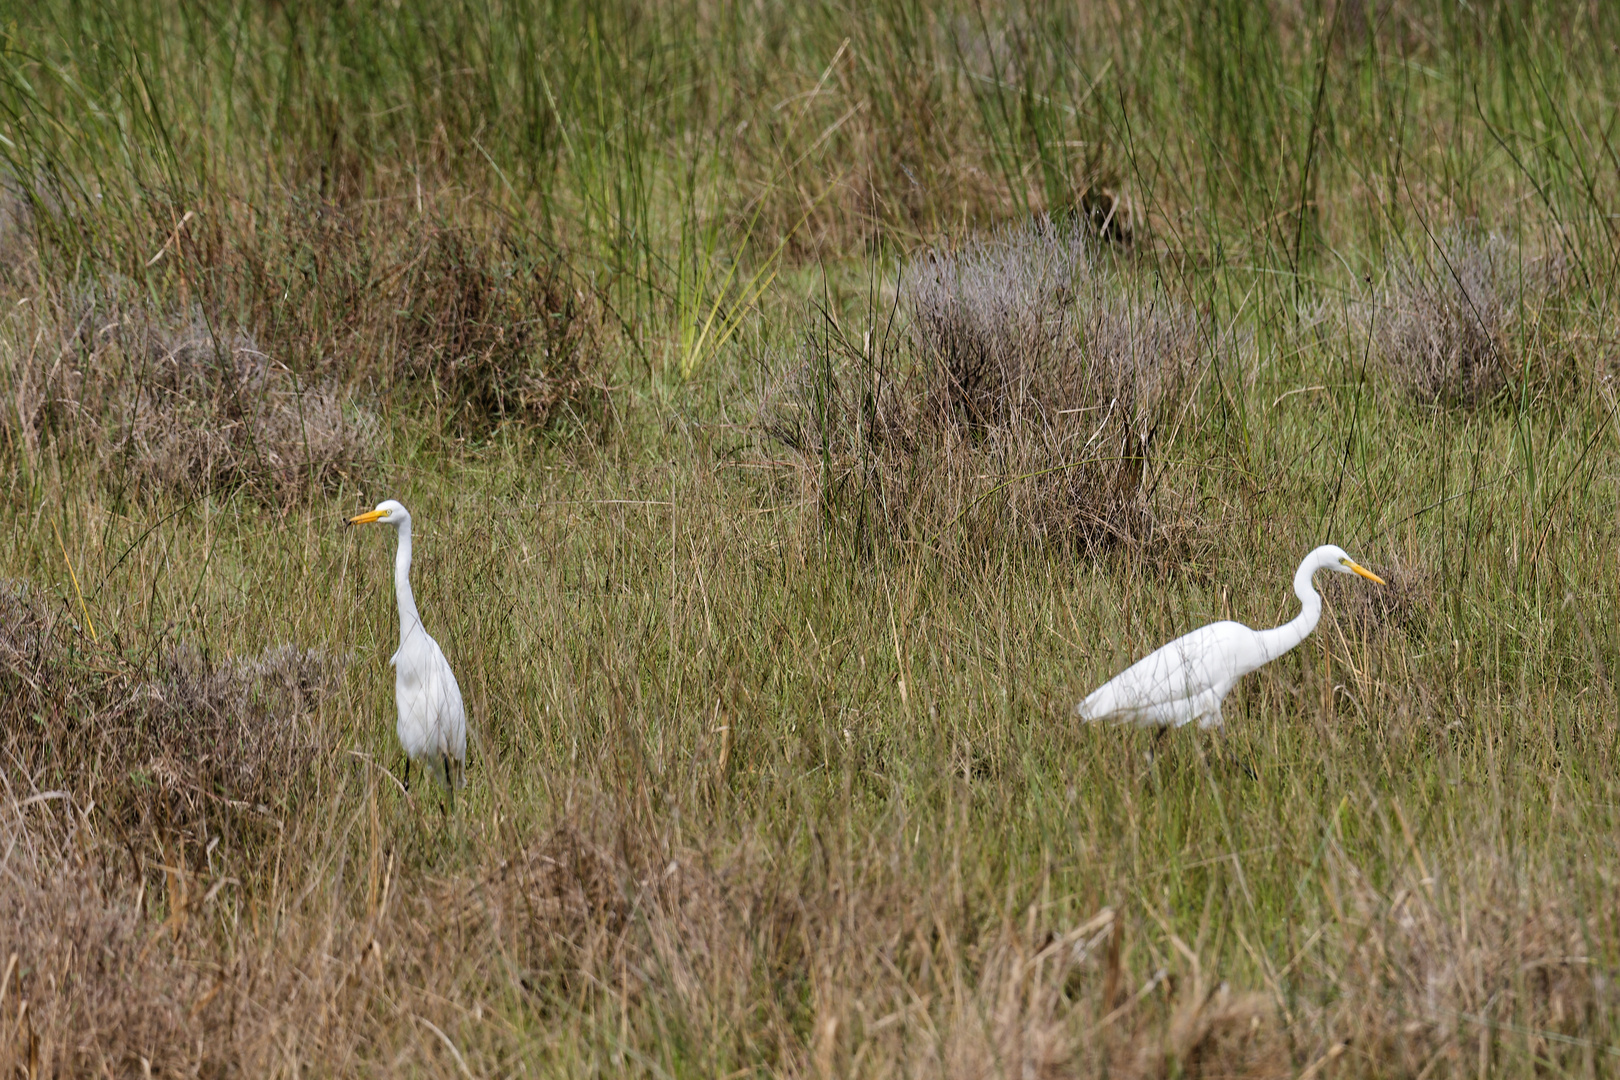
{"x":449,"y":780}
{"x":1229,"y":754}
{"x":1243,"y":763}
{"x":1159,"y":732}
{"x":407,"y":772}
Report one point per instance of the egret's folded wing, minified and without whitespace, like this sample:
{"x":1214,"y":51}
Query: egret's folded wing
{"x":450,"y":715}
{"x":1185,"y":668}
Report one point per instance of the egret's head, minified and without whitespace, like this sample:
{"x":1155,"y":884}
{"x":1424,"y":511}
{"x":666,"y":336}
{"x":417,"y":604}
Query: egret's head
{"x":388,"y":512}
{"x":1339,"y":560}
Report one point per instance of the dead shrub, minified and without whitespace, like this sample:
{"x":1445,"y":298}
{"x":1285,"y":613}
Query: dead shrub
{"x":1446,"y":330}
{"x":235,"y":728}
{"x":218,"y":414}
{"x":502,"y":335}
{"x":1403,"y":606}
{"x":160,"y":745}
{"x":489,"y":325}
{"x":1027,"y":373}
{"x":567,"y":900}
{"x":333,"y":311}
{"x":186,"y":407}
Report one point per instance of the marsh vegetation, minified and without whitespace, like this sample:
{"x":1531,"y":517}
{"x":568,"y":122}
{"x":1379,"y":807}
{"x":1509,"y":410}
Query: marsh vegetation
{"x":802,"y":407}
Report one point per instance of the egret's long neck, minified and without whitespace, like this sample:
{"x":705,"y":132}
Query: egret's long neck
{"x":1279,"y":640}
{"x":402,"y":583}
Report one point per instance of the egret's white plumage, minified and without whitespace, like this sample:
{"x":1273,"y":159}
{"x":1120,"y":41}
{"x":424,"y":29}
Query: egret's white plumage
{"x":1188,"y":679}
{"x":432,"y":724}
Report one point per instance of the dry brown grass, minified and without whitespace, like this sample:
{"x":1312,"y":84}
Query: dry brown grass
{"x":606,"y":927}
{"x":1440,"y":961}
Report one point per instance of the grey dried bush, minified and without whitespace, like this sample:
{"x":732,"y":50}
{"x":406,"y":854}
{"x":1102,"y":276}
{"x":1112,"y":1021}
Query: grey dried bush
{"x":1445,"y":331}
{"x":476,"y":324}
{"x":219,"y":415}
{"x":187,"y":408}
{"x":1028,"y":371}
{"x":155,"y":745}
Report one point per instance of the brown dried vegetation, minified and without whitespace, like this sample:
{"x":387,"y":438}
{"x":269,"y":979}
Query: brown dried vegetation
{"x":1449,"y":331}
{"x":834,"y":966}
{"x":482,"y":322}
{"x":191,"y":408}
{"x":1443,"y":962}
{"x":1022,"y":400}
{"x":159,"y":743}
{"x":1403,"y":605}
{"x":294,"y":334}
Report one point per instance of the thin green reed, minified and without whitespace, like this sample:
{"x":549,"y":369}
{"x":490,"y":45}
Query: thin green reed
{"x":1237,"y":129}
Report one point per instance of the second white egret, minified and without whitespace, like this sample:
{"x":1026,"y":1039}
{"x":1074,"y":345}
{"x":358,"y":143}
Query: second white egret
{"x":1188,"y":679}
{"x":432,"y":724}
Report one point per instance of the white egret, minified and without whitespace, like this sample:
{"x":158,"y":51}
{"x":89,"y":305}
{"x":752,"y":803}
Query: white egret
{"x":1188,"y":679}
{"x":432,"y":723}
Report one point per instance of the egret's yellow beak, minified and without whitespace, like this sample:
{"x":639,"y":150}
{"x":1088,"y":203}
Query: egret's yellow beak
{"x":1356,"y":567}
{"x":369,"y":516}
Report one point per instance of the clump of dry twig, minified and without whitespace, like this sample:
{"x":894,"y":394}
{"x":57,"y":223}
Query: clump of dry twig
{"x":157,"y":744}
{"x":336,"y":312}
{"x":1030,"y":383}
{"x":482,"y":324}
{"x":1446,"y":330}
{"x":186,"y":406}
{"x":1403,"y":605}
{"x":504,"y":335}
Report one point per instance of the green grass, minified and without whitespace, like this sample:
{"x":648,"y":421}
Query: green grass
{"x":757,"y":786}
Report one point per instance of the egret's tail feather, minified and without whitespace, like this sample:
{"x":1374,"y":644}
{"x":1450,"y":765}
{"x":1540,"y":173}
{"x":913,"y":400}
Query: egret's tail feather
{"x":1091,"y":710}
